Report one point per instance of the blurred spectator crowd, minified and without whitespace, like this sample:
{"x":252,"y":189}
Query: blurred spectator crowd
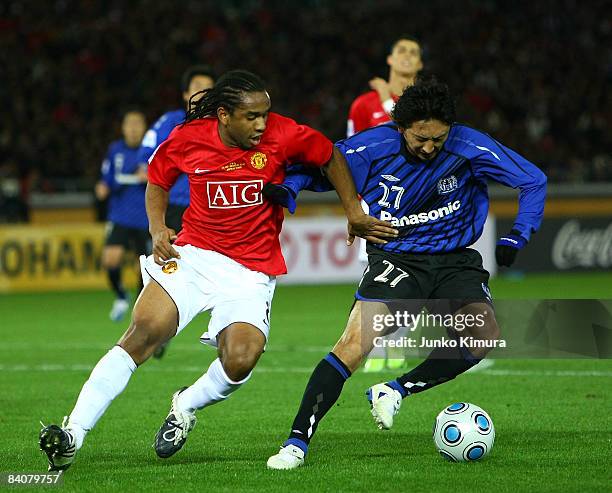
{"x":535,"y":74}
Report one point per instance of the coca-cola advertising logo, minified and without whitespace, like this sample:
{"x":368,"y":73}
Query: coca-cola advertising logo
{"x":576,"y":247}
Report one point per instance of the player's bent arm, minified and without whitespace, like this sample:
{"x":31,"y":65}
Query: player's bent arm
{"x":360,"y":224}
{"x":136,"y":178}
{"x":156,"y":201}
{"x":532,"y":197}
{"x":509,"y":168}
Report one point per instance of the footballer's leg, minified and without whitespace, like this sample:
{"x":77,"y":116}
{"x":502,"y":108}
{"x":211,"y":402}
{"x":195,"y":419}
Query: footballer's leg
{"x":112,"y":256}
{"x":465,"y":287}
{"x":324,"y":388}
{"x":442,"y":365}
{"x":154,"y":320}
{"x":239,"y":347}
{"x":117,"y":241}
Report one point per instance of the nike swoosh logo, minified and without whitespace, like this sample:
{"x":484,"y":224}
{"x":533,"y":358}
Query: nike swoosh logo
{"x":199,"y":171}
{"x":378,"y":114}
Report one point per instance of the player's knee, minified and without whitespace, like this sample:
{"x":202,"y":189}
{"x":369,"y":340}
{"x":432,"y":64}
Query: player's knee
{"x":111,"y":259}
{"x":493,"y":333}
{"x":350,"y":353}
{"x":240,"y":360}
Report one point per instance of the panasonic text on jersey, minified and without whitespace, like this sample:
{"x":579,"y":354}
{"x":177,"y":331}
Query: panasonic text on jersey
{"x":421,"y":217}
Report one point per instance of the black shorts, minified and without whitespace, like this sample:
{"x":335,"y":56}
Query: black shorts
{"x":457,"y":275}
{"x":174,"y":217}
{"x":137,"y":240}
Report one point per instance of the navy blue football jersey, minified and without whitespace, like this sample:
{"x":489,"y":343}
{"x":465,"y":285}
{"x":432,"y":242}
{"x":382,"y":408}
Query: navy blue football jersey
{"x":126,"y":203}
{"x":438,"y":205}
{"x":179,"y":193}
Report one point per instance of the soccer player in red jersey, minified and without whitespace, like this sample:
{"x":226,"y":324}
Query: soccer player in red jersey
{"x":374,"y":107}
{"x":225,"y":259}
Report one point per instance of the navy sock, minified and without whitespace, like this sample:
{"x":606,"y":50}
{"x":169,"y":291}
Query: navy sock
{"x":114,"y":276}
{"x":442,"y":365}
{"x":322,"y":392}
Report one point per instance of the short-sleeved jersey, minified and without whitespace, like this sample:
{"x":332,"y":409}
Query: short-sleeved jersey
{"x":126,"y":203}
{"x":179,"y":193}
{"x":366,"y":111}
{"x":440,"y":205}
{"x":227,"y":212}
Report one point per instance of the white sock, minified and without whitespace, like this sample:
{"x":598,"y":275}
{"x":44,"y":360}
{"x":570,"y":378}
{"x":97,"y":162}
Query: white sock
{"x":213,"y":386}
{"x":107,"y":380}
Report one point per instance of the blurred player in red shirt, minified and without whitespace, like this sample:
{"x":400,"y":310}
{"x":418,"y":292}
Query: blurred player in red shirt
{"x":225,"y":259}
{"x":374,"y":107}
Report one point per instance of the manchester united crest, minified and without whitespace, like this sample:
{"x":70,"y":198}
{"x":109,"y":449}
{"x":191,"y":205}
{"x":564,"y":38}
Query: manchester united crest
{"x":259,"y":160}
{"x":170,"y":267}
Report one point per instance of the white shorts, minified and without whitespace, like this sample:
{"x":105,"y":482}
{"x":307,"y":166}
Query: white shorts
{"x":204,"y":280}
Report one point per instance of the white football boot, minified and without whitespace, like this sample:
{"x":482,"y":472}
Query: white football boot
{"x":385,"y":402}
{"x":289,"y":457}
{"x":119,"y":309}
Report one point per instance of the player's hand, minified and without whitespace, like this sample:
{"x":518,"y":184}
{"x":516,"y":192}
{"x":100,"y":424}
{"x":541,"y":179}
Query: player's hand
{"x":507,"y":248}
{"x":371,"y":229}
{"x":381,"y":86}
{"x":162,"y":245}
{"x":101,"y":190}
{"x":279,"y":194}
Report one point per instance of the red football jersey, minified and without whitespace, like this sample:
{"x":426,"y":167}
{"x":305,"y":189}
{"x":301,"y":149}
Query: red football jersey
{"x":227,"y":212}
{"x":367,"y":111}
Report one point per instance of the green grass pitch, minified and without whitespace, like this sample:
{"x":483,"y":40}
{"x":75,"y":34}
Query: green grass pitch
{"x":552,"y":418}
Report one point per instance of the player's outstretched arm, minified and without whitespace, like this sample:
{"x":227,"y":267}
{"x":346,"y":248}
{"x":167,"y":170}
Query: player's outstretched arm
{"x":360,"y":224}
{"x":298,"y":178}
{"x":156,"y":200}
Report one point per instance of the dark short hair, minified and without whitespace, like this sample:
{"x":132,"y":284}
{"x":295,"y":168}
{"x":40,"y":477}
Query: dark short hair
{"x":132,"y":109}
{"x":193,"y":71}
{"x":403,"y":37}
{"x":428,"y":99}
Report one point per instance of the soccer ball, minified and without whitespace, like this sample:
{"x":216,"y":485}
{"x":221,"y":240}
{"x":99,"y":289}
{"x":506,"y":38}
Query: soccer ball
{"x":463,"y":432}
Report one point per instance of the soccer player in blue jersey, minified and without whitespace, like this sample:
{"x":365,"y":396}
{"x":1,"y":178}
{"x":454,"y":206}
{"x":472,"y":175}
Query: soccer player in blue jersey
{"x":427,"y":175}
{"x":195,"y":79}
{"x":123,"y":181}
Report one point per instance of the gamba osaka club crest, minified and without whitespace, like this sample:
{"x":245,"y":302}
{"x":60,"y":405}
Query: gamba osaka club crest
{"x":447,"y":185}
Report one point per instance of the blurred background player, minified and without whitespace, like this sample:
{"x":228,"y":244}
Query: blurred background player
{"x":123,"y":181}
{"x":195,"y":79}
{"x":374,"y":107}
{"x":367,"y":110}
